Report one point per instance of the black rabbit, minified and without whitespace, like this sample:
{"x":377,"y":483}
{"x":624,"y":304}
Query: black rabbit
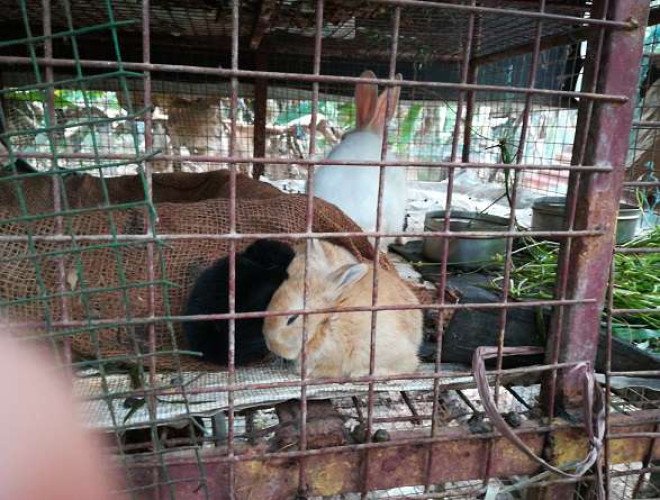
{"x":260,"y":270}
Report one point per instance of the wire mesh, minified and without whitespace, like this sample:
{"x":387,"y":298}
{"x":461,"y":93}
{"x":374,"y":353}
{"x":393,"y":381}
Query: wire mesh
{"x":130,"y":132}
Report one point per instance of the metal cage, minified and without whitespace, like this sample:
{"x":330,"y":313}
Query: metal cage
{"x":95,"y":263}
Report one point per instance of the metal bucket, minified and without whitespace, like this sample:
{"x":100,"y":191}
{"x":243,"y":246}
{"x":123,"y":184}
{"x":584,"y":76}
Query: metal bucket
{"x":548,"y":215}
{"x":472,"y":252}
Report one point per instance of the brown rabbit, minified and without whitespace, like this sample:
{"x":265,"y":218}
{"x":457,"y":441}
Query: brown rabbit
{"x":338,"y":344}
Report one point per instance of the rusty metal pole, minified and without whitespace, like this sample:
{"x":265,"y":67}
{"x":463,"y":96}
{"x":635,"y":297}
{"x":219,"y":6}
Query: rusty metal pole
{"x":469,"y":115}
{"x":472,"y":76}
{"x":260,"y":110}
{"x":602,"y":137}
{"x":602,"y":134}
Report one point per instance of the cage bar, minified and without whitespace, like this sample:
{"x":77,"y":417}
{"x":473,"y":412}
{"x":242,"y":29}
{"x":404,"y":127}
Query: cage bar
{"x":108,"y":254}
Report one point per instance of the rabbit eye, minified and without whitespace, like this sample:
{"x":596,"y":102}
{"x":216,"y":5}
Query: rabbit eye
{"x":292,"y":319}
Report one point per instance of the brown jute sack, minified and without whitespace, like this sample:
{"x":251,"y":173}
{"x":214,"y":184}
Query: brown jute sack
{"x":84,"y":191}
{"x":109,"y":281}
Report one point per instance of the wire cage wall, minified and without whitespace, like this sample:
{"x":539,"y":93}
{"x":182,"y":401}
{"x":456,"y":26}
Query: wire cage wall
{"x":142,"y":141}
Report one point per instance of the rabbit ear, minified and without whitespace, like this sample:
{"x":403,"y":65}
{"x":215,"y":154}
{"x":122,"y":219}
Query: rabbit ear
{"x":344,"y":277}
{"x":384,"y":112}
{"x":318,"y":257}
{"x":365,"y":99}
{"x":317,"y":249}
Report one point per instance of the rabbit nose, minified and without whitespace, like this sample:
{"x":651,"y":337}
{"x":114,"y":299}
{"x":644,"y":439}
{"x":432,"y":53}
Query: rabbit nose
{"x":271,"y":343}
{"x":273,"y":346}
{"x":280,"y":347}
{"x":276,"y":346}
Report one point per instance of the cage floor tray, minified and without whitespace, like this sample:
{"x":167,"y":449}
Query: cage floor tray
{"x":106,"y":403}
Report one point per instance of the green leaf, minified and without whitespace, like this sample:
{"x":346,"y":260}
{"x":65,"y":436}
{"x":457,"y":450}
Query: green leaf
{"x":302,"y":108}
{"x":636,"y":284}
{"x":407,"y":129}
{"x":67,"y":98}
{"x":346,"y":115}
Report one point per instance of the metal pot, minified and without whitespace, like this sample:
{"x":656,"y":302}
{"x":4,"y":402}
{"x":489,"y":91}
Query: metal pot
{"x":475,"y":251}
{"x":548,"y":215}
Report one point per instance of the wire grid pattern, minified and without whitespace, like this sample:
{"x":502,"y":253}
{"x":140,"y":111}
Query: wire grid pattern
{"x":146,"y":397}
{"x":423,"y":30}
{"x":193,"y":120}
{"x":45,"y":87}
{"x":461,"y":407}
{"x":643,"y":162}
{"x":552,"y":122}
{"x":645,"y":100}
{"x":639,"y":480}
{"x":205,"y":395}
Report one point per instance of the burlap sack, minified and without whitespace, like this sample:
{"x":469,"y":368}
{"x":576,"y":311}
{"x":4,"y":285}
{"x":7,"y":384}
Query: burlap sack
{"x":84,"y":191}
{"x":109,"y":281}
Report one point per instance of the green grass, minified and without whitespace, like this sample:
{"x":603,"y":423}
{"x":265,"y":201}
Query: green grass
{"x":636,"y":285}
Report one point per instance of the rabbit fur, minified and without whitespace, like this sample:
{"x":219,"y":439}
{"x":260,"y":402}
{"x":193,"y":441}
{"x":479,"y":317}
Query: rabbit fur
{"x":338,"y":344}
{"x":354,"y":189}
{"x":260,"y":270}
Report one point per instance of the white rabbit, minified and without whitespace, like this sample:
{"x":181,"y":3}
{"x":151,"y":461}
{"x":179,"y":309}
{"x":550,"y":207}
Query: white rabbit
{"x":354,"y":189}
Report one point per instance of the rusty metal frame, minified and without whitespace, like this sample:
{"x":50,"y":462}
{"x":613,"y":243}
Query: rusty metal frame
{"x":593,"y":198}
{"x":332,"y":471}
